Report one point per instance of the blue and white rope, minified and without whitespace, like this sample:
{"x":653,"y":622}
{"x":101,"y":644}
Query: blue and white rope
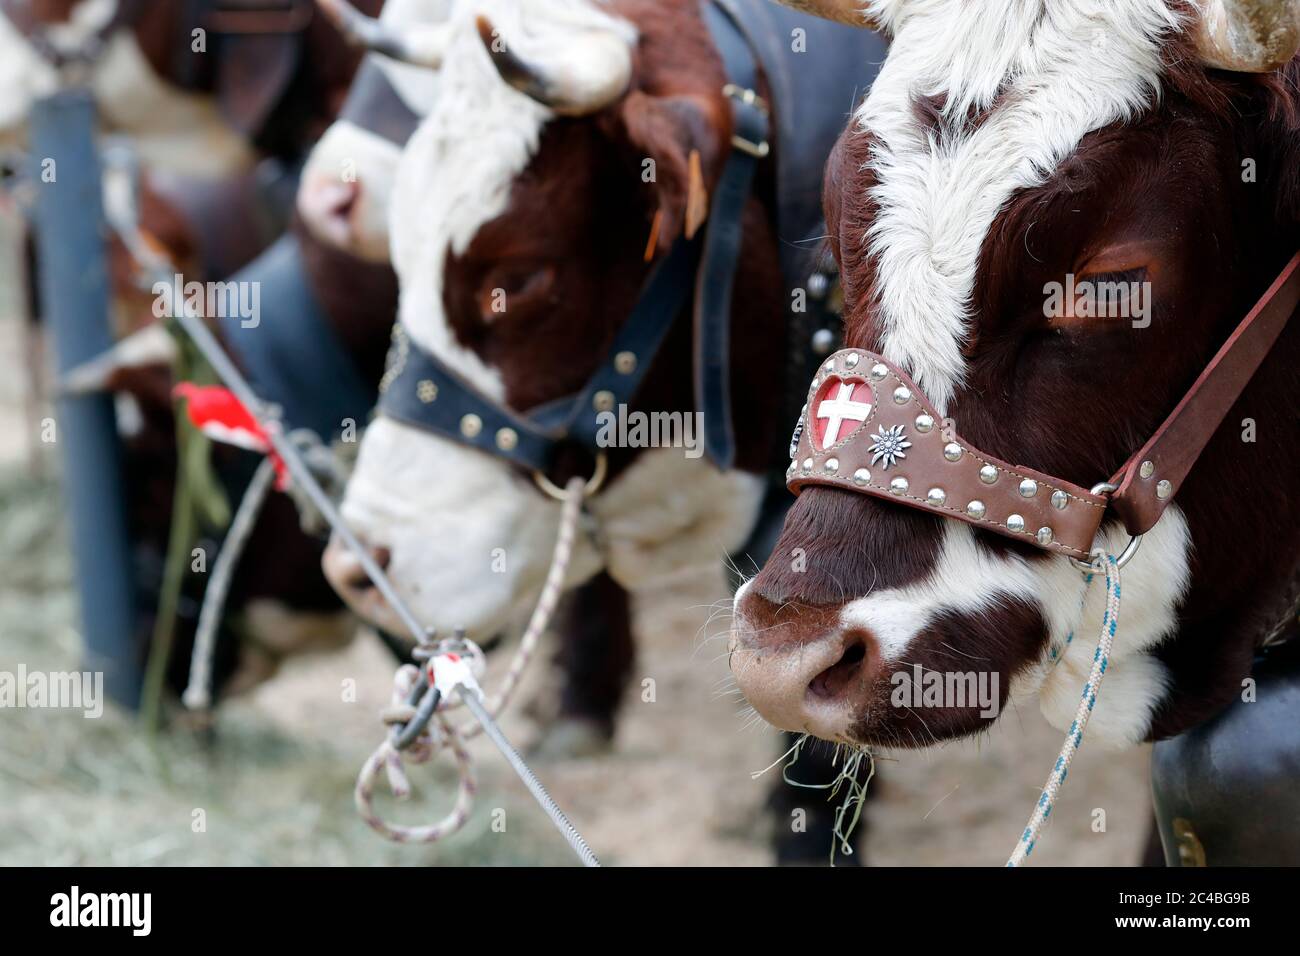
{"x":1074,"y":738}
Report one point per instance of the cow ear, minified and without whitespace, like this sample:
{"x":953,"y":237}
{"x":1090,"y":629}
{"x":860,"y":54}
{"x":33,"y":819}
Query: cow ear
{"x":678,"y":141}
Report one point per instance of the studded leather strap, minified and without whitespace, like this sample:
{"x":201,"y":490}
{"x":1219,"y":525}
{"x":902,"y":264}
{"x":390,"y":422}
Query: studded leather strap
{"x":867,"y":428}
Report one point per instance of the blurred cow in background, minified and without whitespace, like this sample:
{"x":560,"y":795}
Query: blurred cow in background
{"x":525,"y":178}
{"x":214,"y":105}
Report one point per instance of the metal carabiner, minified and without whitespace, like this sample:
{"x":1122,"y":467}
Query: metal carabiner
{"x":427,"y":698}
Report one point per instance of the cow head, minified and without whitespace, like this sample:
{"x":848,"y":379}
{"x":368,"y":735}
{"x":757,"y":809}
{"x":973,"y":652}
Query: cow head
{"x":1010,"y":159}
{"x":345,"y":192}
{"x":522,"y":212}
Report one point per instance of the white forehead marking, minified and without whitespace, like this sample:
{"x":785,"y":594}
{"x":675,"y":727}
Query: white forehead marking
{"x":1069,"y":66}
{"x":460,"y":164}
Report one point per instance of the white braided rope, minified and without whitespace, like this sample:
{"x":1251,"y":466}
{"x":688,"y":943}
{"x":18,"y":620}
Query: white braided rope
{"x":1074,"y":738}
{"x":441,"y":733}
{"x":552,"y":588}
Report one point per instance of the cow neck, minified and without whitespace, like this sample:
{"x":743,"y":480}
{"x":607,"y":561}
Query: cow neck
{"x":418,"y":389}
{"x":911,"y":459}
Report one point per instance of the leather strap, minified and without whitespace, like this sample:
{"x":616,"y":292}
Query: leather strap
{"x":713,"y":283}
{"x":375,"y":106}
{"x":294,"y":357}
{"x":1151,"y":478}
{"x":420,"y":391}
{"x":869,"y":429}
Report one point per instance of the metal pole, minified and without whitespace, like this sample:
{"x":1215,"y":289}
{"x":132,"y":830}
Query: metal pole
{"x":70,"y":236}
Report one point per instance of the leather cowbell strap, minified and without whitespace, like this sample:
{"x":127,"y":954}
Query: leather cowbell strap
{"x":867,"y":428}
{"x":419,"y":390}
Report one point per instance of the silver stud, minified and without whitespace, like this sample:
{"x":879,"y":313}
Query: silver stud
{"x":507,"y":439}
{"x":1147,"y":469}
{"x":988,"y":474}
{"x":1059,"y":500}
{"x":807,"y":466}
{"x":1015,"y":523}
{"x":861,"y":476}
{"x":879,"y":371}
{"x":471,"y":425}
{"x":898,"y":486}
{"x":902,"y":395}
{"x":1028,"y":488}
{"x":936,"y":496}
{"x":953,"y":452}
{"x":1044,"y":536}
{"x":851,"y":360}
{"x":831,"y":465}
{"x":603,"y":400}
{"x":829,"y":366}
{"x":924,"y":423}
{"x":625,"y":362}
{"x":1164,"y":489}
{"x":426,"y":391}
{"x":976,"y":509}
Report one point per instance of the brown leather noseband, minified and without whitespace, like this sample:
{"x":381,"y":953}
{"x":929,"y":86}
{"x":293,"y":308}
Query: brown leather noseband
{"x":868,"y":428}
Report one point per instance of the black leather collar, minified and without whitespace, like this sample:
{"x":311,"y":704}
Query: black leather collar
{"x":419,"y":390}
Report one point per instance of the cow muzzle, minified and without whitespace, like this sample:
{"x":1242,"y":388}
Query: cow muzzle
{"x":799,"y":668}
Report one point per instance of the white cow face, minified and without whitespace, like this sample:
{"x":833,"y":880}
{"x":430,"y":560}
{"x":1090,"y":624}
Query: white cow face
{"x":468,"y":537}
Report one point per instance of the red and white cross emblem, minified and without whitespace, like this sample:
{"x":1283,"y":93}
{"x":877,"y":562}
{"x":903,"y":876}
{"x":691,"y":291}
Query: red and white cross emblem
{"x":839,"y":408}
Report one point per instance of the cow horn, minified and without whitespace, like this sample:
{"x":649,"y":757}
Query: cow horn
{"x":1248,"y":36}
{"x":841,"y":11}
{"x":424,"y":46}
{"x":150,"y":345}
{"x":591,"y":71}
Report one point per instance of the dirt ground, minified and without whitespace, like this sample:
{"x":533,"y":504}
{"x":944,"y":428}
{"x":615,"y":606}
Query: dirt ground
{"x":274,"y":780}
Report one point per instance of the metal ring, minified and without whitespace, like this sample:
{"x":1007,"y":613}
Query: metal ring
{"x":594,"y":483}
{"x":1130,"y":549}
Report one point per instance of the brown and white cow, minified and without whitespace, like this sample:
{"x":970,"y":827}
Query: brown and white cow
{"x":497,"y":190}
{"x":1008,"y":147}
{"x":344,"y":195}
{"x":204,"y":89}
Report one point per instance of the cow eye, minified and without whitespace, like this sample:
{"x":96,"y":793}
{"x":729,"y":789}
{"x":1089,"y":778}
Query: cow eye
{"x":510,"y":288}
{"x":1098,"y":296}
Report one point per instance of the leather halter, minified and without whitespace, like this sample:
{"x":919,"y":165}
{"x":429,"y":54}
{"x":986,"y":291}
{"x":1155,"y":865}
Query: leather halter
{"x":418,"y":389}
{"x":902,"y":451}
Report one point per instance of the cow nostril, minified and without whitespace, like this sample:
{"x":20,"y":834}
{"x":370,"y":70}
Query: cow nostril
{"x":355,"y":576}
{"x":835,"y":679}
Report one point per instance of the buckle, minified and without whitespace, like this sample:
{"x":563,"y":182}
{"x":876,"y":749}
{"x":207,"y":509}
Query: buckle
{"x":752,"y":99}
